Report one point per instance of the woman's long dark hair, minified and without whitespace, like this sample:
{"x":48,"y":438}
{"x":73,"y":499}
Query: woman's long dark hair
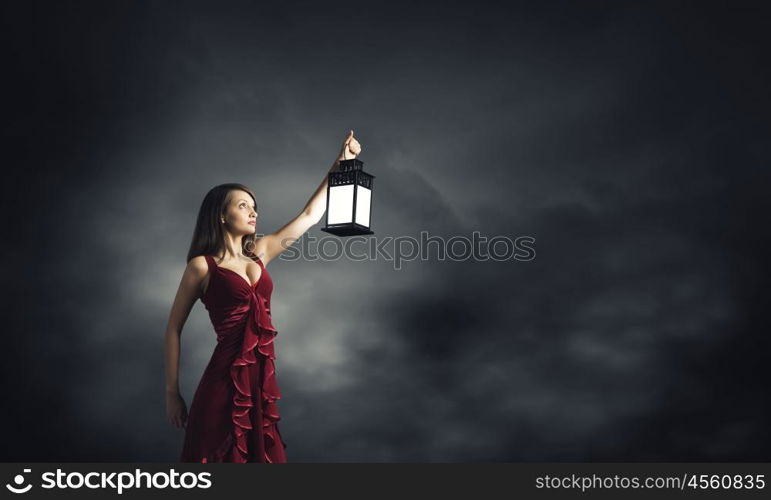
{"x":209,"y":234}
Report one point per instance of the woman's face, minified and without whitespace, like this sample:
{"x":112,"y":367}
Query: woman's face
{"x":241,"y":214}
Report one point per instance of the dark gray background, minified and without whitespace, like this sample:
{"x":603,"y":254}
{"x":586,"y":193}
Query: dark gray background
{"x":630,"y":141}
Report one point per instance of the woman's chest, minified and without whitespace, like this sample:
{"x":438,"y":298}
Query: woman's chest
{"x":226,"y":287}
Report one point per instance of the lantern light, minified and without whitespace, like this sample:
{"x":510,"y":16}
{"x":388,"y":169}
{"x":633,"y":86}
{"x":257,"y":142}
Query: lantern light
{"x":349,"y":200}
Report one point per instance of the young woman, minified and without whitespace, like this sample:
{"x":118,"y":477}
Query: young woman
{"x":234,"y":416}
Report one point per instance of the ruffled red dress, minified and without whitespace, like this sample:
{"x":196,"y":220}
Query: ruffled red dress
{"x":234,"y":416}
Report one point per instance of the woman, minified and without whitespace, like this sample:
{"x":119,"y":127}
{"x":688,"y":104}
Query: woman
{"x":234,"y":416}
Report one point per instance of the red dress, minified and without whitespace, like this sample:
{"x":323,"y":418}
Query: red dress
{"x":234,"y":415}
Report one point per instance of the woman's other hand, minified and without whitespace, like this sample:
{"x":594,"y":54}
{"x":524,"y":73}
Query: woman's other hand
{"x":176,"y":411}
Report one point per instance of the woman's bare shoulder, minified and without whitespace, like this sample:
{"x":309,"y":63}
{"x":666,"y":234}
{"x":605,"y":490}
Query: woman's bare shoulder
{"x":260,"y":250}
{"x":198,"y":266}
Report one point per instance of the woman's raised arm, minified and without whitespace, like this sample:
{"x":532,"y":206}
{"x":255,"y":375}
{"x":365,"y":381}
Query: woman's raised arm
{"x":271,"y":245}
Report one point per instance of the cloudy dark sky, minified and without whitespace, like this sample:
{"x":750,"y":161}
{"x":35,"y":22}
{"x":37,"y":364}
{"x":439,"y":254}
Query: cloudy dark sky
{"x":632,"y":144}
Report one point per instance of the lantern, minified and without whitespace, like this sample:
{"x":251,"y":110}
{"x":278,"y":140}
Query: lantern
{"x":349,"y":200}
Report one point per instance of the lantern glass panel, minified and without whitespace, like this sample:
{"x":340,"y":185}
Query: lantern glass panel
{"x":340,"y":204}
{"x":363,"y":198}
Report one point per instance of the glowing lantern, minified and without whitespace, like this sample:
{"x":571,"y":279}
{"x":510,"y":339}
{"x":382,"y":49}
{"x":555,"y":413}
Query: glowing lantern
{"x":349,"y":200}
